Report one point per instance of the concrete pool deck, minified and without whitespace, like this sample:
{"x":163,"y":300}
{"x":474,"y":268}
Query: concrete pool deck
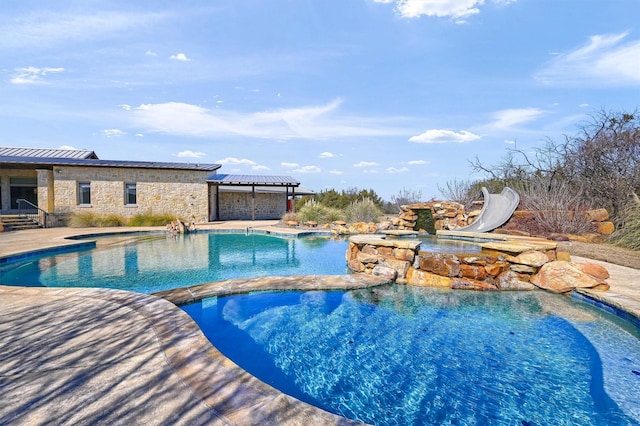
{"x":87,"y":356}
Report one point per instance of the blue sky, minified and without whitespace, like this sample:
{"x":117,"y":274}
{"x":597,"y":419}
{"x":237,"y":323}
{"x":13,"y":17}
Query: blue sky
{"x":380,"y":94}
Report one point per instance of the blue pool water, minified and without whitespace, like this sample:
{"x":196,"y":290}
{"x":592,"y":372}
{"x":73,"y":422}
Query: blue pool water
{"x":155,"y":262}
{"x":400,"y":355}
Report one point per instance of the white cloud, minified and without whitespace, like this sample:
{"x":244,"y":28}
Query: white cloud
{"x":283,"y":164}
{"x":365,"y":164}
{"x":418,"y":162}
{"x":510,"y":117}
{"x":510,"y":142}
{"x":394,"y":170}
{"x":444,"y":136}
{"x":327,"y":154}
{"x":260,"y":168}
{"x":235,"y":161}
{"x":180,"y":57}
{"x":150,"y":53}
{"x":336,"y":172}
{"x":308,"y":169}
{"x":583,"y":105}
{"x":125,"y":107}
{"x":33,"y":75}
{"x":606,"y":60}
{"x":67,"y":147}
{"x":113,"y":133}
{"x":311,"y":122}
{"x":457,"y":9}
{"x":191,"y":154}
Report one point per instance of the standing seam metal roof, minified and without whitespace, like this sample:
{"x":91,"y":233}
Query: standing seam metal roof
{"x":47,"y":153}
{"x":46,"y":161}
{"x":223,"y":179}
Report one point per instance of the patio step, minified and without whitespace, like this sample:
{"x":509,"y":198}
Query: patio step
{"x":13,"y":222}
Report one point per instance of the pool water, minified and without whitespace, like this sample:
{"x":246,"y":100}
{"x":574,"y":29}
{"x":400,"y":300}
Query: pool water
{"x":156,"y":262}
{"x":400,"y":355}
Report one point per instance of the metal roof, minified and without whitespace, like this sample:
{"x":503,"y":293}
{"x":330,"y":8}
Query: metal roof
{"x":268,"y":190}
{"x":47,"y":153}
{"x":250,"y":180}
{"x":50,"y":162}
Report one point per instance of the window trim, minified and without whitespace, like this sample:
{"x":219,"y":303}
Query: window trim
{"x":82,"y":185}
{"x":127,"y":186}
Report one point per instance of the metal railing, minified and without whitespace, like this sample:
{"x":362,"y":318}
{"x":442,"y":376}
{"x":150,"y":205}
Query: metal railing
{"x":29,"y":210}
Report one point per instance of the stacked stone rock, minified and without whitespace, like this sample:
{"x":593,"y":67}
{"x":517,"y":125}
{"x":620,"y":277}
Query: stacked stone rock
{"x":399,"y":260}
{"x":446,"y":214}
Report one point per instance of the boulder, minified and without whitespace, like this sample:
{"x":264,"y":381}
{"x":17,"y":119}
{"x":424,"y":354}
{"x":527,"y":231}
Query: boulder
{"x":441,"y":265}
{"x":401,"y":266}
{"x":605,"y":228}
{"x":384,"y":272}
{"x":475,"y":272}
{"x":597,"y":215}
{"x":510,"y":280}
{"x":470,"y":284}
{"x":596,"y":271}
{"x":426,"y":279}
{"x":532,"y":258}
{"x":494,"y":269}
{"x":562,"y":277}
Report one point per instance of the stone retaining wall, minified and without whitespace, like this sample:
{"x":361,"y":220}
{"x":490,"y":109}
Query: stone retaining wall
{"x":520,"y":264}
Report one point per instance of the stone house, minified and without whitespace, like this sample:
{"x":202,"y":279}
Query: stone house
{"x":60,"y":182}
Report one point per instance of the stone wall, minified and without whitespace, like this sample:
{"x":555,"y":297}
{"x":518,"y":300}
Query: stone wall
{"x":239,"y":206}
{"x":522,"y":264}
{"x":446,"y":215}
{"x":182,"y":193}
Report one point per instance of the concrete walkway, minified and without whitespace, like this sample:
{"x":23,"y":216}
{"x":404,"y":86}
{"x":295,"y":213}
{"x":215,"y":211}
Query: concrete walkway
{"x":99,"y":356}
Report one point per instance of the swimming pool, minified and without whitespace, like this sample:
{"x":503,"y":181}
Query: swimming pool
{"x":398,"y":355}
{"x":149,"y":263}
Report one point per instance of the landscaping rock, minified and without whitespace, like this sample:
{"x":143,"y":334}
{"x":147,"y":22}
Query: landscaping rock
{"x":426,"y":279}
{"x":470,"y":284}
{"x":596,"y":271}
{"x":439,"y":264}
{"x":597,"y":215}
{"x":532,"y":258}
{"x":562,"y":277}
{"x":511,"y":280}
{"x":385,"y":272}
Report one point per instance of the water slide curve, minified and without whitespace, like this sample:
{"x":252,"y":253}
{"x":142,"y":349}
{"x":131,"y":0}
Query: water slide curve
{"x":496,"y":211}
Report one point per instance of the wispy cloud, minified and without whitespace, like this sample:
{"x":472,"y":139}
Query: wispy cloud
{"x":45,"y":28}
{"x":395,"y":170}
{"x":336,"y":172}
{"x":365,"y":164}
{"x":289,"y":165}
{"x":605,"y":60}
{"x":33,"y":75}
{"x":236,"y":161}
{"x":507,"y":118}
{"x":191,"y":154}
{"x":418,"y":162}
{"x":327,"y":155}
{"x":113,"y":133}
{"x":180,"y":57}
{"x":444,"y":136}
{"x":308,"y":169}
{"x":457,"y":9}
{"x":309,"y":122}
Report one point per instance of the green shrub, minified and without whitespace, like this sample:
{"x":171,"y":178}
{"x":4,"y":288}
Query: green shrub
{"x":363,"y":210}
{"x":629,"y":234}
{"x":149,"y":219}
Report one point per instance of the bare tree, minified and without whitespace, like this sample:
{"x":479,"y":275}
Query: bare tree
{"x":404,"y":197}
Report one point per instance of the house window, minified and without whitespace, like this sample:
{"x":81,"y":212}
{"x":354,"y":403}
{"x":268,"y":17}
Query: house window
{"x":84,"y":193}
{"x":130,"y":194}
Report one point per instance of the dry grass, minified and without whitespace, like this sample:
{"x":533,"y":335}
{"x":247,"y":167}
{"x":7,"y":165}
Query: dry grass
{"x":604,"y":252}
